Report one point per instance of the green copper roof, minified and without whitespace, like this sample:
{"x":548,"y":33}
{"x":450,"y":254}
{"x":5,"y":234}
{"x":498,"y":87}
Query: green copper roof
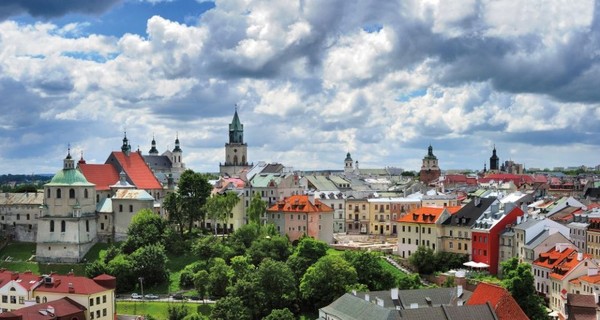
{"x":69,"y":177}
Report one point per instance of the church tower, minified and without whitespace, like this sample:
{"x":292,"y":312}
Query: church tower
{"x":67,"y":225}
{"x":236,"y":151}
{"x":153,"y":151}
{"x":176,"y":154}
{"x":429,"y":169}
{"x":494,"y":161}
{"x":348,"y":169}
{"x":126,"y":147}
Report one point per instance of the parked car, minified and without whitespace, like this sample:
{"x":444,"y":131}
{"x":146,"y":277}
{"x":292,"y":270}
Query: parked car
{"x":136,"y":296}
{"x":151,"y":296}
{"x":195,"y":298}
{"x":177,"y":296}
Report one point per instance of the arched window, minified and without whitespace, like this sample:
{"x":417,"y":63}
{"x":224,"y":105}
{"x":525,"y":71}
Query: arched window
{"x":85,"y":193}
{"x":63,"y":226}
{"x":44,"y":300}
{"x":37,"y":299}
{"x":58,"y":193}
{"x":51,"y":225}
{"x":235,"y":160}
{"x":71,"y":193}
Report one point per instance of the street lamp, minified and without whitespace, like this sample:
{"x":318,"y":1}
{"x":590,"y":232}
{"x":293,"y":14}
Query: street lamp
{"x":142,"y":286}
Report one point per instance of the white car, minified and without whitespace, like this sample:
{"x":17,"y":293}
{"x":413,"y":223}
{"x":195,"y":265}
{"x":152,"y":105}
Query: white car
{"x":136,"y":296}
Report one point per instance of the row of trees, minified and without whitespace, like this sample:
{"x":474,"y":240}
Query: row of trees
{"x":426,"y":261}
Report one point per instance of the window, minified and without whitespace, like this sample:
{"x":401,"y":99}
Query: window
{"x":51,"y":225}
{"x":429,"y":230}
{"x":104,"y":312}
{"x":21,"y":300}
{"x":63,"y":226}
{"x":87,"y":225}
{"x":97,"y":313}
{"x":48,"y":193}
{"x":403,"y":229}
{"x":459,"y":246}
{"x":13,"y":299}
{"x":130,"y":208}
{"x":451,"y":245}
{"x":466,"y":248}
{"x":28,"y":216}
{"x":4,"y":299}
{"x":120,"y":208}
{"x":104,"y":299}
{"x":85,"y":193}
{"x":97,"y":300}
{"x":18,"y":216}
{"x":102,"y":226}
{"x":451,"y":233}
{"x":71,"y":193}
{"x":58,"y":193}
{"x":91,"y":302}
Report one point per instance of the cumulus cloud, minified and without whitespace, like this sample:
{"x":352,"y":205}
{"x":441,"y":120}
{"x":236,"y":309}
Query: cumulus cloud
{"x":313,"y":80}
{"x":53,"y":8}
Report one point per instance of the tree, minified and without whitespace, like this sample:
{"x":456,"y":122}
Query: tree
{"x":280,"y":314}
{"x":308,"y":251}
{"x":241,"y":267}
{"x":327,"y":280}
{"x":275,"y":247}
{"x":209,"y":247}
{"x":445,"y":261}
{"x":172,"y":204}
{"x":219,"y":278}
{"x":243,"y":237}
{"x":146,"y":228}
{"x":256,"y":209}
{"x":218,"y":207}
{"x":519,"y":280}
{"x":278,"y":286}
{"x":423,"y":260}
{"x":409,"y":281}
{"x":193,"y":189}
{"x":121,"y":268}
{"x":150,"y":262}
{"x":230,"y":308}
{"x":369,"y":269}
{"x":177,"y":312}
{"x":201,"y":279}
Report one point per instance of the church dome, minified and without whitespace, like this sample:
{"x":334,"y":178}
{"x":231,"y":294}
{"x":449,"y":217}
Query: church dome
{"x":69,"y":177}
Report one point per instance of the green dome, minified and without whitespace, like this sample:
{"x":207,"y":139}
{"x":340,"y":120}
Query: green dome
{"x":69,"y":177}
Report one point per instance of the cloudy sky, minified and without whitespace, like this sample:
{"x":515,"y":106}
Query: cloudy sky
{"x":313,"y":79}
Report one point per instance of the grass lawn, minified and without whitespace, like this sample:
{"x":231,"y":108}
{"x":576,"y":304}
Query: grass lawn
{"x":388,"y":266}
{"x":17,"y":251}
{"x":334,"y":252}
{"x":175,"y":265}
{"x":20,"y":252}
{"x":159,"y":309}
{"x":94,"y":253}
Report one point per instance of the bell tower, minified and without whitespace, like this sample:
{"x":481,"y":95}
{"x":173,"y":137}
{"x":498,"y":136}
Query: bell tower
{"x":236,"y":151}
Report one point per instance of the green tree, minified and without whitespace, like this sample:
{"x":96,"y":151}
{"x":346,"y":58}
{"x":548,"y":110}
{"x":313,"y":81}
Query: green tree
{"x":278,"y":286}
{"x":445,"y":261}
{"x":423,"y":260}
{"x":369,"y":269}
{"x":193,"y":190}
{"x":519,"y":280}
{"x":243,"y":237}
{"x":172,"y":204}
{"x":146,"y":228}
{"x":177,"y":312}
{"x":208,"y":247}
{"x":280,"y":314}
{"x":122,"y":268}
{"x":219,"y":278}
{"x":150,"y":262}
{"x":201,"y":281}
{"x":195,"y":316}
{"x":230,"y":308}
{"x":219,"y":207}
{"x":327,"y":280}
{"x":409,"y":281}
{"x":275,"y":247}
{"x":308,"y":251}
{"x":256,"y":209}
{"x":241,"y":267}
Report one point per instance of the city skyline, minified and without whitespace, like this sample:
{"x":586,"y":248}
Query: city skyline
{"x":311,"y":80}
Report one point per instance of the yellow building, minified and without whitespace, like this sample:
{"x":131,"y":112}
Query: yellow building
{"x":357,"y":216}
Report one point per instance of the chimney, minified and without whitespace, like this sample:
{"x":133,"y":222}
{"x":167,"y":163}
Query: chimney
{"x":579,"y":256}
{"x":459,"y":291}
{"x":394,"y":293}
{"x":50,"y":309}
{"x":519,"y":219}
{"x":379,"y":301}
{"x":71,"y":288}
{"x":459,"y":302}
{"x":353,"y":292}
{"x":367,"y":297}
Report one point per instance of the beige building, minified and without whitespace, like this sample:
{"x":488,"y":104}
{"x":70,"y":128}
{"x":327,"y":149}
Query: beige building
{"x":19,"y":213}
{"x":357,"y":216}
{"x":126,"y":203}
{"x":381,"y":219}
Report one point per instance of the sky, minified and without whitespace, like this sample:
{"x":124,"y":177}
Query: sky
{"x":311,"y":79}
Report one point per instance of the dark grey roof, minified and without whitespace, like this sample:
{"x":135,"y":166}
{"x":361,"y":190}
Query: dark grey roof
{"x":158,"y":162}
{"x":465,"y":312}
{"x":431,"y":297}
{"x":350,"y":307}
{"x":468,"y":214}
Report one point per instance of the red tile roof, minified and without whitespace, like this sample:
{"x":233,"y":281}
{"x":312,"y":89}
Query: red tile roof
{"x":552,"y":258}
{"x":300,"y":203}
{"x":102,"y":175}
{"x":71,"y":284}
{"x":517,"y":179}
{"x":136,"y":169}
{"x":426,"y":215}
{"x":25,"y":279}
{"x":566,"y":265}
{"x":501,"y":300}
{"x":63,"y":308}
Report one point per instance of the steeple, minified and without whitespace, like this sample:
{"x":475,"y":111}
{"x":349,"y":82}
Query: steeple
{"x":68,"y":163}
{"x":153,"y":151}
{"x":494,"y":160}
{"x":126,"y":147}
{"x":430,"y":154}
{"x":177,"y":148}
{"x":236,"y":129}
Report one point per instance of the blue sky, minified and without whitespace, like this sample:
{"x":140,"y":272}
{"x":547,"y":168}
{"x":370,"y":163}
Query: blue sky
{"x":312,"y":79}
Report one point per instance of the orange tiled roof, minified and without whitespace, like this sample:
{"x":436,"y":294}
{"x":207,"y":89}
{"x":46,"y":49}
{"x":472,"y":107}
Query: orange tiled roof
{"x":552,"y":258}
{"x":589,"y":279}
{"x":569,"y":263}
{"x":24,"y":279}
{"x":501,"y":300}
{"x":137,"y":170}
{"x":300,"y":203}
{"x":102,"y":175}
{"x":426,"y":215}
